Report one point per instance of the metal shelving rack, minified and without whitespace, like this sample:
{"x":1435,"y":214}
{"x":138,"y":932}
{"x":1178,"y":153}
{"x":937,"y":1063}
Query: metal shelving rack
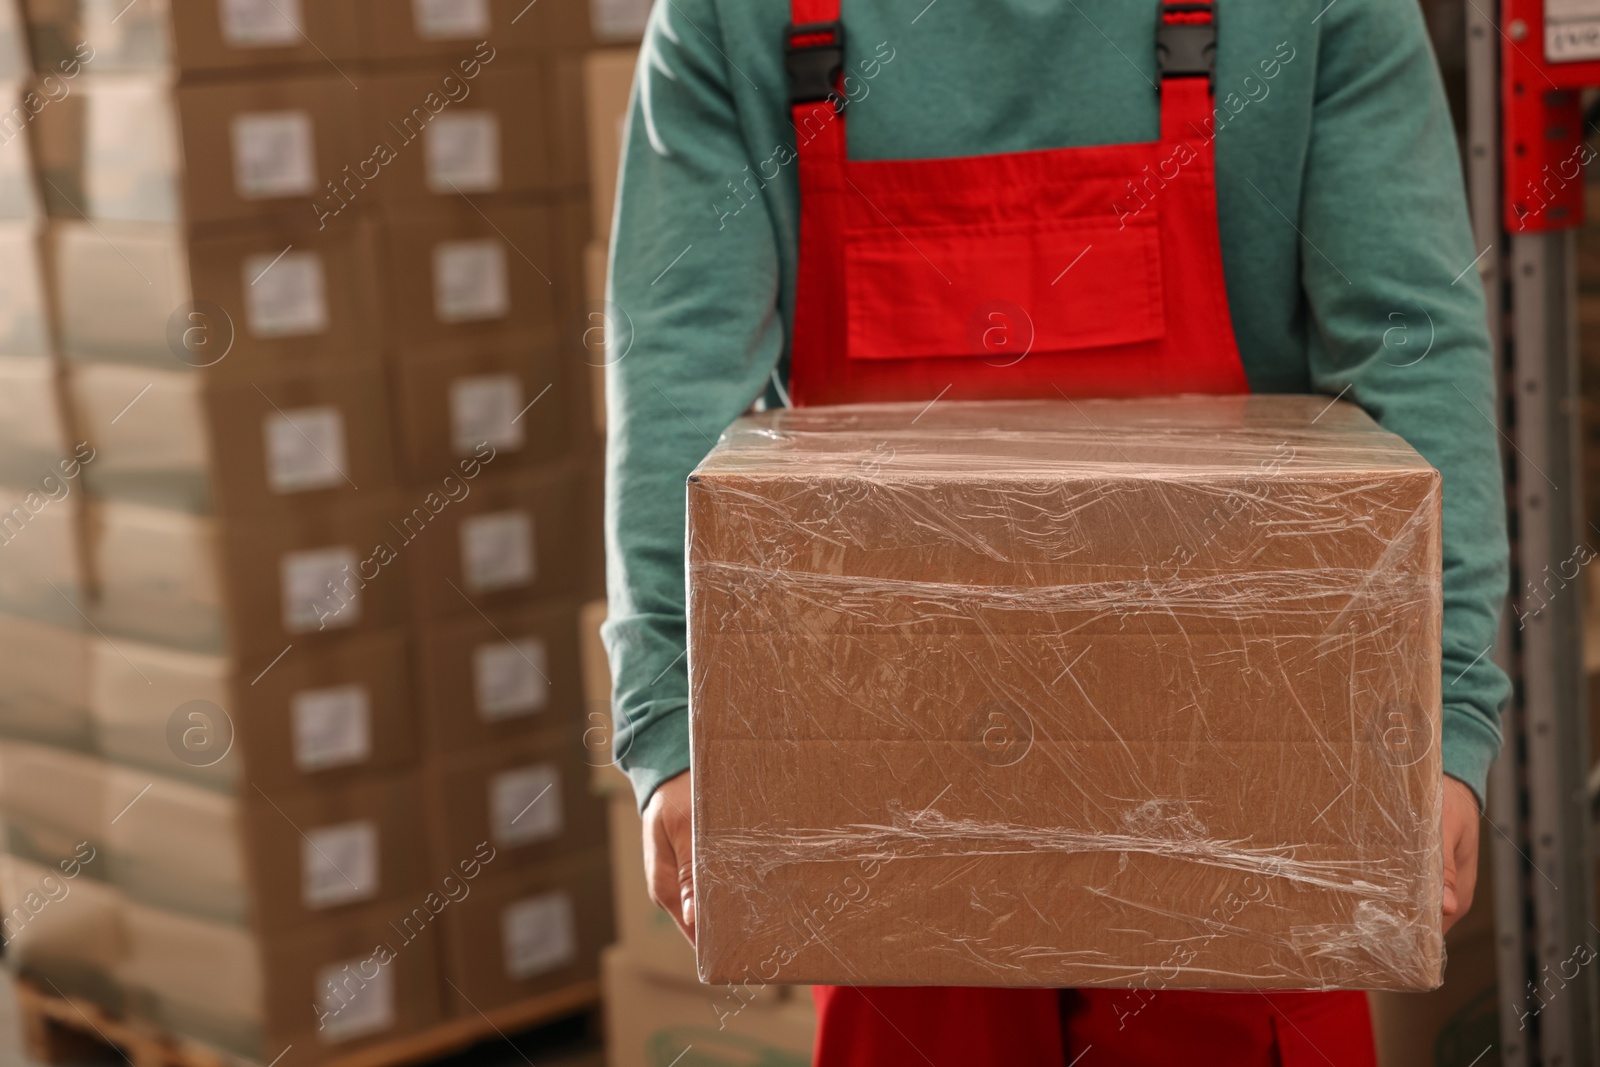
{"x":1539,"y":801}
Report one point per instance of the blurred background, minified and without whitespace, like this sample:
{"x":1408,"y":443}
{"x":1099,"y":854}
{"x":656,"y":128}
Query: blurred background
{"x":304,"y":745}
{"x":305,"y":753}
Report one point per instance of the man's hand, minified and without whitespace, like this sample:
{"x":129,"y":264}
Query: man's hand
{"x":1460,"y":849}
{"x":669,"y":853}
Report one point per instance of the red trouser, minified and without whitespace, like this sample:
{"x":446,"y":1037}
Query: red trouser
{"x":936,"y":1027}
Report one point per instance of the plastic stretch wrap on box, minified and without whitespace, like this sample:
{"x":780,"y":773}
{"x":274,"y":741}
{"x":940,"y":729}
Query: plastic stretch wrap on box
{"x":1119,"y":693}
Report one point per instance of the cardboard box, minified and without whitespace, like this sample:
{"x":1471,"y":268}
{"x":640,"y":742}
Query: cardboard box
{"x":155,"y":151}
{"x":593,"y":344}
{"x":14,"y":57}
{"x":520,"y":934}
{"x":645,"y":931}
{"x":19,"y":198}
{"x":43,"y":557}
{"x":528,"y":798}
{"x":175,"y":845}
{"x":308,"y":579}
{"x":280,"y":441}
{"x":608,"y":90}
{"x":487,"y":679}
{"x":361,"y":979}
{"x":450,"y":29}
{"x":618,"y":21}
{"x":468,"y":272}
{"x":269,"y":296}
{"x":310,"y":719}
{"x":64,"y":930}
{"x":509,"y":394}
{"x":599,"y":736}
{"x":569,"y":155}
{"x":461,"y":133}
{"x":33,"y":428}
{"x":1168,"y":666}
{"x":24,"y":315}
{"x":196,"y":36}
{"x":314,"y":853}
{"x":312,"y":579}
{"x":46,"y":693}
{"x":158,"y":575}
{"x":509,"y":540}
{"x":651,"y":1022}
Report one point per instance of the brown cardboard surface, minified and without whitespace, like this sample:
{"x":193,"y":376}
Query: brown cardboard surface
{"x":645,"y":931}
{"x":417,"y":29}
{"x":607,"y":779}
{"x":468,"y":271}
{"x":453,"y":134}
{"x":317,"y":853}
{"x":300,"y":440}
{"x":371,"y":977}
{"x":508,"y":393}
{"x":523,"y":933}
{"x":512,"y":539}
{"x":487,"y":679}
{"x":307,"y":550}
{"x":328,"y":717}
{"x":650,"y":1021}
{"x":593,"y":345}
{"x":569,"y":216}
{"x":199,"y":38}
{"x":608,"y":85}
{"x":569,"y":154}
{"x":215,"y":176}
{"x":1167,"y":667}
{"x":498,"y":794}
{"x":263,"y":297}
{"x":24,"y":311}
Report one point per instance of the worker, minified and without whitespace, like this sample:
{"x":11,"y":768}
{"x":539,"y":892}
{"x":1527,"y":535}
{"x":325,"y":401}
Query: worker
{"x":826,"y":203}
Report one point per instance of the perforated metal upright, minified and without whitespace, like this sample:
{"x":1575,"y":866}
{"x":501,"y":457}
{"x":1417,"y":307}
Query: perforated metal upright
{"x":1518,"y":118}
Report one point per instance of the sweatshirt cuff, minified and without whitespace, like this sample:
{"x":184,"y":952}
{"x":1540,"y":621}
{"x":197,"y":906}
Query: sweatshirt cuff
{"x":1470,"y":745}
{"x":660,"y":750}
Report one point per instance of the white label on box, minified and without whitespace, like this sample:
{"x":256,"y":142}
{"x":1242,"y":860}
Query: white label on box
{"x":260,"y":23}
{"x":512,"y":678}
{"x":485,"y":409}
{"x":339,"y":864}
{"x":614,"y":20}
{"x":469,"y":281}
{"x":305,"y":449}
{"x":320,"y":589}
{"x":497,"y":551}
{"x":463,"y":152}
{"x":332,"y":727}
{"x":285,"y":295}
{"x":356,"y":998}
{"x":538,"y":935}
{"x":446,"y":20}
{"x":525,"y":805}
{"x":273,"y":154}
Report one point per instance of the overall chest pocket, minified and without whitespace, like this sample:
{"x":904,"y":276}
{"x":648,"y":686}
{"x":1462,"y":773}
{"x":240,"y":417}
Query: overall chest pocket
{"x":1062,"y":285}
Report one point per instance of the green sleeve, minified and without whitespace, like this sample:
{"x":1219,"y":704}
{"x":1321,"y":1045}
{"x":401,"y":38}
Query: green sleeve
{"x":694,"y":336}
{"x":1398,"y":324}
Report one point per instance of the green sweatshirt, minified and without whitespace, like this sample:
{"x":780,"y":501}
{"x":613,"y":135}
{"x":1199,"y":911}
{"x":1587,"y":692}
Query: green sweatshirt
{"x":1349,"y":262}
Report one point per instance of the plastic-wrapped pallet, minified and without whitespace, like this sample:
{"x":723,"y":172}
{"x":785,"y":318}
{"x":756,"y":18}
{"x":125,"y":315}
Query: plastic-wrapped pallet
{"x":1170,"y":668}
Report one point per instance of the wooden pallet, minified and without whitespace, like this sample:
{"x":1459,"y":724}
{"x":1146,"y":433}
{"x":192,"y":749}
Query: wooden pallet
{"x":61,"y":1029}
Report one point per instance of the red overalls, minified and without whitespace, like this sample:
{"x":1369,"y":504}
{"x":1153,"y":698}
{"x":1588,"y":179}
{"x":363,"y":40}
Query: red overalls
{"x":1071,"y":272}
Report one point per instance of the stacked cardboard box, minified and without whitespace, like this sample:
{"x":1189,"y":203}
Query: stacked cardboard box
{"x":311,"y":264}
{"x":655,"y":1004}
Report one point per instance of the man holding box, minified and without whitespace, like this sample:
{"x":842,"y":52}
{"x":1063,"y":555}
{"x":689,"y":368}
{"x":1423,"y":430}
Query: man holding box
{"x":999,"y":224}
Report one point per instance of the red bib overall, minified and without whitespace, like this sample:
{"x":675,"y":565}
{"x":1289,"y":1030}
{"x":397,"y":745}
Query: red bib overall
{"x":1072,"y":272}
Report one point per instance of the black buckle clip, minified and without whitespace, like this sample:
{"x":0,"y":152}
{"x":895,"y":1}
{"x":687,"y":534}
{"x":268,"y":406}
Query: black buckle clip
{"x":1187,"y":49}
{"x":813,"y":55}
